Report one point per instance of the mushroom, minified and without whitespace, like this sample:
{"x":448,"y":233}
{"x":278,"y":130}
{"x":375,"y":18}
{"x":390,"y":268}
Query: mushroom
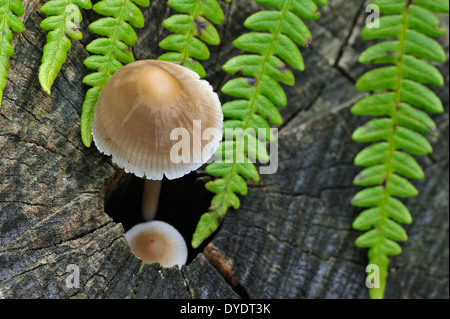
{"x":142,"y":110}
{"x":157,"y":241}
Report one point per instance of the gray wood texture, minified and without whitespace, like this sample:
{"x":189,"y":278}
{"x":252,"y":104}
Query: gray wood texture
{"x":292,"y":236}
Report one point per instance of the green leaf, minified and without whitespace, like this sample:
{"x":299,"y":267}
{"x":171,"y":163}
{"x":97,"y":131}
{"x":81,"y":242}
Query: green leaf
{"x":305,"y":9}
{"x":247,"y":170}
{"x":282,"y":46}
{"x":424,"y":21}
{"x":416,"y":120}
{"x":372,"y":196}
{"x":241,"y":108}
{"x":390,"y":248}
{"x":61,"y":24}
{"x":117,"y":8}
{"x":405,"y":165}
{"x":375,"y":130}
{"x":384,"y":104}
{"x":207,"y":224}
{"x":183,"y":6}
{"x":421,"y":96}
{"x":211,"y":10}
{"x":177,"y":58}
{"x":225,"y":198}
{"x":374,"y":175}
{"x":273,"y":91}
{"x":394,"y":231}
{"x":390,"y":6}
{"x":55,"y":54}
{"x":421,"y":71}
{"x":367,"y":219}
{"x":177,"y":42}
{"x":119,"y":50}
{"x":378,"y":79}
{"x":389,"y":27}
{"x":87,"y":114}
{"x":321,"y":2}
{"x":372,"y":155}
{"x":411,"y":142}
{"x":423,"y":47}
{"x":178,"y":23}
{"x":376,"y":105}
{"x":368,"y":239}
{"x":401,"y":187}
{"x":15,"y":24}
{"x":8,"y":10}
{"x":206,"y":31}
{"x":397,"y":211}
{"x":16,"y":7}
{"x":255,"y":148}
{"x":252,"y":65}
{"x":261,"y":128}
{"x":111,"y":27}
{"x":293,"y":26}
{"x":190,"y":30}
{"x":381,"y":53}
{"x":438,"y":6}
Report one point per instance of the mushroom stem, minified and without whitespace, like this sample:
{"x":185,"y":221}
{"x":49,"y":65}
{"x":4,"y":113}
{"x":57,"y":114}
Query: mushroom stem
{"x":150,"y":199}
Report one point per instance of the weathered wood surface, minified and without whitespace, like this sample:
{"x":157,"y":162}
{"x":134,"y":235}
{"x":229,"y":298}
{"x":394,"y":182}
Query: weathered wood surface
{"x":292,"y":236}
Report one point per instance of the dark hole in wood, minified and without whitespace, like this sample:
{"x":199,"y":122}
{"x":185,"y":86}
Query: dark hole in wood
{"x":181,"y":203}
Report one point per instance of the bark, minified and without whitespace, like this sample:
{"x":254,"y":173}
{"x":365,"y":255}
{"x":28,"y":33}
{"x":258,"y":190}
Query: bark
{"x":291,"y":237}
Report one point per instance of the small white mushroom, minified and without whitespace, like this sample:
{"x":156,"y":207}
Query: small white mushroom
{"x":138,"y":109}
{"x":157,"y":241}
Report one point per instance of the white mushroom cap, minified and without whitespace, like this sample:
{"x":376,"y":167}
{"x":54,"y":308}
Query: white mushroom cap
{"x":157,"y":241}
{"x":140,"y":106}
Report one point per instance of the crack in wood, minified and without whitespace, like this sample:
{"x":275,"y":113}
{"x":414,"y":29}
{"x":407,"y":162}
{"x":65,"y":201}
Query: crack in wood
{"x":215,"y":258}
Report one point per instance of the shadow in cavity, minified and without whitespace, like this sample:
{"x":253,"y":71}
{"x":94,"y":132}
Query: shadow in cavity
{"x":181,"y":203}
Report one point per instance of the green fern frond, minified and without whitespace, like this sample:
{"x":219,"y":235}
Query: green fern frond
{"x":9,"y":10}
{"x":401,"y":104}
{"x":110,"y":51}
{"x":62,"y":23}
{"x":274,"y":46}
{"x":191,"y":30}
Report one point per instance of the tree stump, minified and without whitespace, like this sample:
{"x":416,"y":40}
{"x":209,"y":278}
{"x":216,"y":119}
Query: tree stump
{"x":292,"y":236}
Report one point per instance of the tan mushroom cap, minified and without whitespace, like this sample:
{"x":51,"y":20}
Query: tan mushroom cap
{"x":157,"y":241}
{"x":140,"y":106}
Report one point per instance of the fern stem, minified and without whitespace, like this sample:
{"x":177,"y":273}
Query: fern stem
{"x":185,"y":54}
{"x":4,"y":25}
{"x":377,"y":293}
{"x":115,"y":39}
{"x":254,"y":97}
{"x":267,"y":56}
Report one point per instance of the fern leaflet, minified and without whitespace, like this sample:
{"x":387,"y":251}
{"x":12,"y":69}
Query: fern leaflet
{"x":110,"y":51}
{"x":412,"y":24}
{"x":189,"y":31}
{"x":9,"y":10}
{"x":274,"y":46}
{"x":63,"y":16}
